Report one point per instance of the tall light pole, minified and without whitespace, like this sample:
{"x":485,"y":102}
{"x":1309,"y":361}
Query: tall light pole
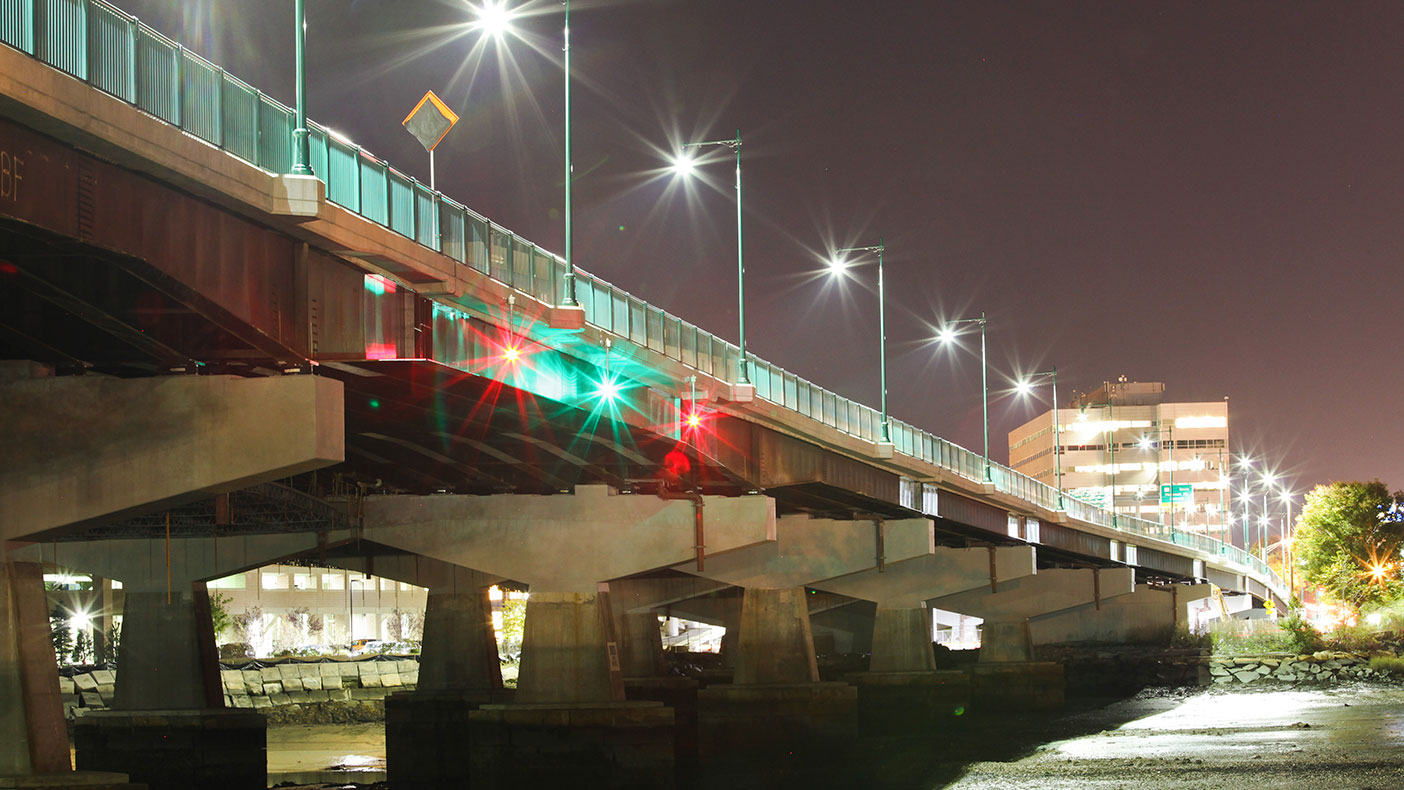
{"x":1247,"y":464}
{"x":837,"y":266}
{"x":568,"y":299}
{"x":302,"y":155}
{"x":948,"y":335}
{"x":495,"y":20}
{"x":1268,"y":479}
{"x":1025,"y":386}
{"x":684,"y":165}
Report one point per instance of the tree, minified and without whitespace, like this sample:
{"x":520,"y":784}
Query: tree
{"x":1348,"y":541}
{"x":60,"y":634}
{"x":219,"y":612}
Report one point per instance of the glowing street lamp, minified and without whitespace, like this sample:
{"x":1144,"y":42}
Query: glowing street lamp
{"x":948,"y":335}
{"x":685,"y":166}
{"x":1025,"y":386}
{"x":1263,"y":522}
{"x":495,"y":20}
{"x":838,"y":267}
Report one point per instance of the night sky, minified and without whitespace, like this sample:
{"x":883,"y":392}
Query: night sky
{"x":1208,"y":194}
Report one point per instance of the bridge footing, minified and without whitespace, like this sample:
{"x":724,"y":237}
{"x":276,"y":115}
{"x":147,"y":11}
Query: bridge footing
{"x":899,"y":702}
{"x":426,"y":733}
{"x":677,"y":693}
{"x":623,"y":745}
{"x":177,"y":749}
{"x":1016,"y":686}
{"x":76,"y":780}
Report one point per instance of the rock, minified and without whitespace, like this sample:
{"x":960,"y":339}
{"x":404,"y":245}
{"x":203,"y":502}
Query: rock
{"x":1246,"y":676}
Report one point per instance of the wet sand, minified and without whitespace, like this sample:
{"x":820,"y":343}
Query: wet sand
{"x":1348,"y":737}
{"x":1336,"y":738}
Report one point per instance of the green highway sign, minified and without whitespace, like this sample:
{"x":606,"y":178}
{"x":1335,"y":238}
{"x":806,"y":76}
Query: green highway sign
{"x":1180,"y":494}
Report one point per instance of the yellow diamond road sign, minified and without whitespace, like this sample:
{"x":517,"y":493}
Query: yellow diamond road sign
{"x":430,"y":120}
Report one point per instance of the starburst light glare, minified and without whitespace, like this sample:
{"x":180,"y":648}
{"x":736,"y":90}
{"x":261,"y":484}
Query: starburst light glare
{"x":608,"y":389}
{"x":947,"y":335}
{"x":494,"y":18}
{"x":838,"y":267}
{"x":1378,"y":572}
{"x":694,"y":420}
{"x":684,"y":165}
{"x":511,"y":354}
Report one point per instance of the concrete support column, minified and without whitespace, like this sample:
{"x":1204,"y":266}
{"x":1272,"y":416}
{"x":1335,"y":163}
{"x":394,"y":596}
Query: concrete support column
{"x":1003,"y":641}
{"x":161,"y":663}
{"x":460,"y":649}
{"x":902,"y":640}
{"x":775,"y":646}
{"x":567,"y":651}
{"x":640,"y":645}
{"x":731,"y":638}
{"x":33,"y":739}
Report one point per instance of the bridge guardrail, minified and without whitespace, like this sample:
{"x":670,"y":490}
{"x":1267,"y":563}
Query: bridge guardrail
{"x":116,"y":53}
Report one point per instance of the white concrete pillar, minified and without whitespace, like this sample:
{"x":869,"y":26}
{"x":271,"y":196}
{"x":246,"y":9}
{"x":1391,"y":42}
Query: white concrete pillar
{"x":460,"y":649}
{"x":566,"y":654}
{"x":902,"y":640}
{"x":775,"y":646}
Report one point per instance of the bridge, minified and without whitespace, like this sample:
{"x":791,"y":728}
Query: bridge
{"x":212,"y":365}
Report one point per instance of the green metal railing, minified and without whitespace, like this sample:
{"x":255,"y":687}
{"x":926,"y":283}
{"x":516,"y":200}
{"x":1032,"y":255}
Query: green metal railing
{"x":117,"y":54}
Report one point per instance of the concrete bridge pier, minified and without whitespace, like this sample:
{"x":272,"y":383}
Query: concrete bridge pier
{"x":902,"y":689}
{"x":459,"y":671}
{"x":1008,"y":675}
{"x":569,"y":717}
{"x":636,"y":602}
{"x":168,"y":726}
{"x":776,"y":707}
{"x":33,"y":735}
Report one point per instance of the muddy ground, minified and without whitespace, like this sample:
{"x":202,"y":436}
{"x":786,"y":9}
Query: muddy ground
{"x":1346,"y":737}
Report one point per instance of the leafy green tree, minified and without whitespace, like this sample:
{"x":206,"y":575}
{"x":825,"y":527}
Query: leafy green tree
{"x":59,"y":633}
{"x":1348,"y":541}
{"x":219,"y":612}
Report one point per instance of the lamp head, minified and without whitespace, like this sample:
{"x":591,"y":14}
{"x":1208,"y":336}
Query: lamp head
{"x":494,"y":18}
{"x":684,"y":165}
{"x":947,"y":335}
{"x":838,"y":267}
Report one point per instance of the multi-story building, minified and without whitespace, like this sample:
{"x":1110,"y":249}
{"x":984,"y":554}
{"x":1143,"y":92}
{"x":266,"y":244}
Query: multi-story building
{"x":1123,"y":446}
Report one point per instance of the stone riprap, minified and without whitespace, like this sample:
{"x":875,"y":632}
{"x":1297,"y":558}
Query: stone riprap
{"x":1326,"y":666}
{"x":286,"y":683}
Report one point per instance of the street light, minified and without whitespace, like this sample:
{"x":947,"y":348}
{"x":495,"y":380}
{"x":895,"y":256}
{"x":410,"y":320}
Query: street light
{"x":1268,"y":479}
{"x":569,"y":298}
{"x":948,"y":335}
{"x":302,"y":155}
{"x":838,"y":267}
{"x":1026,"y":385}
{"x":684,"y":165}
{"x":495,"y":19}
